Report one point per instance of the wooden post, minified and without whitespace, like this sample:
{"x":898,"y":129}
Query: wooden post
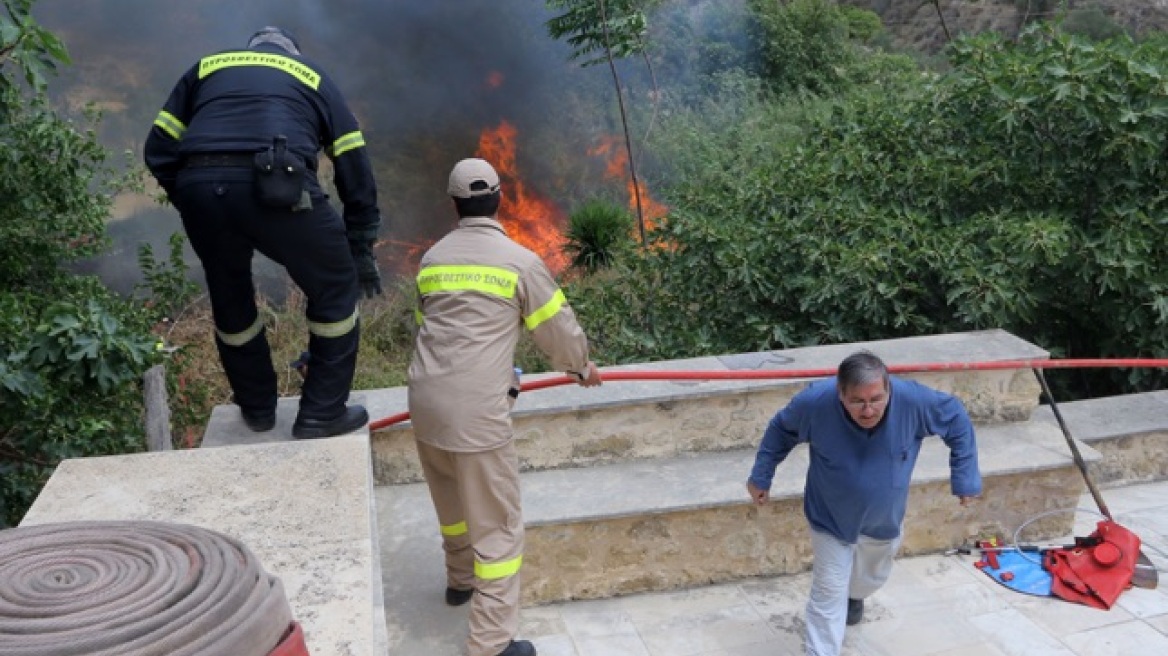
{"x":157,"y":410}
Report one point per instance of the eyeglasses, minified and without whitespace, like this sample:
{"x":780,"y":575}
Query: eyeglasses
{"x":860,"y":405}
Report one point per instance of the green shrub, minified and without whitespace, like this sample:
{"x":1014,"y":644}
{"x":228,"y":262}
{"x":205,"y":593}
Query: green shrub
{"x":596,"y":231}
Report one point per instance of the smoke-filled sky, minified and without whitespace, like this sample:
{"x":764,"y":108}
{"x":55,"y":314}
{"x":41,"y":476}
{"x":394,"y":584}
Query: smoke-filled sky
{"x":425,"y":78}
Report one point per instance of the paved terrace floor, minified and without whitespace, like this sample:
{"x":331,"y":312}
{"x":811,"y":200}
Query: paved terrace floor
{"x":932,"y":606}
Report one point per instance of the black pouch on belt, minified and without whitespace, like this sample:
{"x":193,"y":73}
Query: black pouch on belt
{"x":280,"y":177}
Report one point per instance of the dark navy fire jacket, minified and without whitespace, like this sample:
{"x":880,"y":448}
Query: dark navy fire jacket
{"x":238,"y":101}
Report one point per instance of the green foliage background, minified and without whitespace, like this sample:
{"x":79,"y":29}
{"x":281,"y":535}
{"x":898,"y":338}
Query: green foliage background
{"x":822,"y":188}
{"x":1021,"y":189}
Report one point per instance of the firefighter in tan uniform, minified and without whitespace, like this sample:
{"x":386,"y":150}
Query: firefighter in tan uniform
{"x":478,"y":291}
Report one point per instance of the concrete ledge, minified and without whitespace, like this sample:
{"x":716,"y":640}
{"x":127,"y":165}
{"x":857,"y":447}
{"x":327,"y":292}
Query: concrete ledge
{"x":225,"y":427}
{"x":685,"y":521}
{"x":304,"y":509}
{"x":1130,"y":432}
{"x":572,"y":427}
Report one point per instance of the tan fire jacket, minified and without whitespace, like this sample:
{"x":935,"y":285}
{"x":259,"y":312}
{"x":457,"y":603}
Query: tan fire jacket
{"x":478,"y":291}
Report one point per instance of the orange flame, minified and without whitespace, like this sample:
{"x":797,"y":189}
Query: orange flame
{"x":531,"y":220}
{"x":617,"y":167}
{"x":494,"y":80}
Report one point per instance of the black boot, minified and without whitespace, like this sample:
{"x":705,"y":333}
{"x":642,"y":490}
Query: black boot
{"x":456,"y":597}
{"x":519,"y":648}
{"x":259,"y":422}
{"x":348,"y":421}
{"x":855,"y":611}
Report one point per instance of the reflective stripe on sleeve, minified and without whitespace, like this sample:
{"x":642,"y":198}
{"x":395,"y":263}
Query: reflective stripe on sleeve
{"x":492,"y":571}
{"x":241,"y":338}
{"x":334,"y":329}
{"x":309,"y":77}
{"x":546,"y":312}
{"x":495,"y":281}
{"x":347,"y":142}
{"x":170,"y":124}
{"x":453,"y":530}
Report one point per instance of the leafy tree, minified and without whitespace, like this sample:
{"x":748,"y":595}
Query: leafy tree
{"x":617,"y":28}
{"x":71,"y":352}
{"x":803,"y":45}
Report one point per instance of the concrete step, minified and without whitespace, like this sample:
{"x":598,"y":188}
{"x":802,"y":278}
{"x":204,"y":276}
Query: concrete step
{"x":1130,"y":432}
{"x":685,"y":520}
{"x":569,"y":426}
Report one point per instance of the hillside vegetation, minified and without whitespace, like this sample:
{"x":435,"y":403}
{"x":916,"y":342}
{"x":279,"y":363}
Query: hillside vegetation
{"x":916,"y":24}
{"x":824,"y":185}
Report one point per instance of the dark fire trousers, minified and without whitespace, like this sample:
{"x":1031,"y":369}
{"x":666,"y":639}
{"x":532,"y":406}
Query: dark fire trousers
{"x":226,"y":225}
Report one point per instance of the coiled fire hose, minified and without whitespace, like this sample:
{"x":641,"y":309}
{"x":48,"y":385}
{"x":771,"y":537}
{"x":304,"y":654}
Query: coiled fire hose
{"x":764,"y":374}
{"x":138,"y":588}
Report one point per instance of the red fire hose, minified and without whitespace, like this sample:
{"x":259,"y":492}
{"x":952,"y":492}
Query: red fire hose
{"x":764,"y":374}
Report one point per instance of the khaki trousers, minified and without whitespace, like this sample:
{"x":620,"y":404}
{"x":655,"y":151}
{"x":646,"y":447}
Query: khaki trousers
{"x":476,"y":496}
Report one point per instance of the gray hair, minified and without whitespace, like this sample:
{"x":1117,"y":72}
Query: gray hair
{"x":276,"y":37}
{"x":861,"y":368}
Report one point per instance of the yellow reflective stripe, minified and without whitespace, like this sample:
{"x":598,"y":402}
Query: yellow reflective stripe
{"x":348,"y":142}
{"x":334,"y":329}
{"x":239,"y":339}
{"x":170,"y":124}
{"x":454,"y":530}
{"x":492,"y":571}
{"x":208,"y":65}
{"x":546,"y":312}
{"x":495,"y":281}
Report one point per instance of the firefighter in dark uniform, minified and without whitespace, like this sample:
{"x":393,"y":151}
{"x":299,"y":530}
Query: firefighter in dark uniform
{"x":235,"y":148}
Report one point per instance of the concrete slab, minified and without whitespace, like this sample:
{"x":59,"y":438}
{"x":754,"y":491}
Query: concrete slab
{"x":304,"y":509}
{"x":925,"y":595}
{"x":569,"y":426}
{"x":1129,"y":431}
{"x":652,"y":525}
{"x":225,"y":427}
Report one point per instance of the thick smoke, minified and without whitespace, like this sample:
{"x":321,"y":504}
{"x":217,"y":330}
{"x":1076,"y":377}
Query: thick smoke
{"x":424,"y":78}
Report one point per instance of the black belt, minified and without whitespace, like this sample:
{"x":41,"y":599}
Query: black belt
{"x":211,"y":160}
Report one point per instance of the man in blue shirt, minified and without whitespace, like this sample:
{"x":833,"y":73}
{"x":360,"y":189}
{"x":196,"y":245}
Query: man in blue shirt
{"x":864,"y":430}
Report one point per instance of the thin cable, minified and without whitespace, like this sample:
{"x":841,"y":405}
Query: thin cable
{"x":1042,"y":515}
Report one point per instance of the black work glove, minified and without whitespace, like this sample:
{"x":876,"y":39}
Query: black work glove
{"x":361,"y":246}
{"x":367,"y":273}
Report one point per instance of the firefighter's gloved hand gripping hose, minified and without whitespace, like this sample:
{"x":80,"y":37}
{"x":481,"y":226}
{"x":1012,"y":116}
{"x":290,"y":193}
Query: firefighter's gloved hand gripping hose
{"x":138,"y":588}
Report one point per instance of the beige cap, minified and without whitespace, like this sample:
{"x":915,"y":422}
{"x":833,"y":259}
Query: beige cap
{"x":469,"y":171}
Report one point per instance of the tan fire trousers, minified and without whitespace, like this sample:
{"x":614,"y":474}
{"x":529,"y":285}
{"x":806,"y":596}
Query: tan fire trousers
{"x":476,"y":496}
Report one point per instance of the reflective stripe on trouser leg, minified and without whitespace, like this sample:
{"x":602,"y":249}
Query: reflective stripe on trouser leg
{"x":489,"y":481}
{"x":438,"y":466}
{"x":330,"y":369}
{"x":827,"y":606}
{"x":314,"y":249}
{"x":871,"y":565}
{"x":247,"y":362}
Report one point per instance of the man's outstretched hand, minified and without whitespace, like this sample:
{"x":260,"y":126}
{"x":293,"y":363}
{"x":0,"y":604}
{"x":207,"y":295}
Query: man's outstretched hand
{"x":758,"y":495}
